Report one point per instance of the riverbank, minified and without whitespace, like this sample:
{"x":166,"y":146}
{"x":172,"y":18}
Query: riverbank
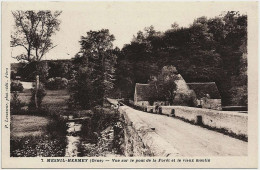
{"x":59,"y":131}
{"x":32,"y":136}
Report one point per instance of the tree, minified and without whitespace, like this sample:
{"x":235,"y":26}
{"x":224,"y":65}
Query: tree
{"x":33,"y":31}
{"x":164,"y":86}
{"x":98,"y":59}
{"x":207,"y":50}
{"x":97,"y":47}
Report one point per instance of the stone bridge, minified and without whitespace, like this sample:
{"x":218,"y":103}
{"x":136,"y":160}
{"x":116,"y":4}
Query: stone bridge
{"x":149,"y":134}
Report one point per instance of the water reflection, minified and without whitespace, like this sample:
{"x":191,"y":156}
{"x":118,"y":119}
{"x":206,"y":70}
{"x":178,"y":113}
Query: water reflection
{"x":73,"y":139}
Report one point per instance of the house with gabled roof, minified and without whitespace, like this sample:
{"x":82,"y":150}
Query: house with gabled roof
{"x":207,"y":94}
{"x":143,"y":92}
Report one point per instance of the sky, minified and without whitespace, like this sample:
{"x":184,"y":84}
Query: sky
{"x":123,"y":21}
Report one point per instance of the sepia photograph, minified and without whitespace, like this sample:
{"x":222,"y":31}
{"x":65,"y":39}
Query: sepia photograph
{"x":128,"y":80}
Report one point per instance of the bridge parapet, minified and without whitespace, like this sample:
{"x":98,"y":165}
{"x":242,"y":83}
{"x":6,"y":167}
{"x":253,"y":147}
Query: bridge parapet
{"x":230,"y":122}
{"x":141,"y":139}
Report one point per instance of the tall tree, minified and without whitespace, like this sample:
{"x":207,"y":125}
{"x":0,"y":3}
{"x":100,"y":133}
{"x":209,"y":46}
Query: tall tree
{"x":33,"y":31}
{"x":97,"y":55}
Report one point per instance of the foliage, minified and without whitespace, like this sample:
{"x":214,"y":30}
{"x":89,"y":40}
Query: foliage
{"x":15,"y":104}
{"x":94,"y":66}
{"x":186,"y":99}
{"x":16,"y":86}
{"x":43,"y":71}
{"x":56,"y":83}
{"x":40,"y":95}
{"x":60,"y":68}
{"x":57,"y":122}
{"x":99,"y":120}
{"x":164,"y":85}
{"x":29,"y":71}
{"x":46,"y":69}
{"x":51,"y":143}
{"x":81,"y":91}
{"x":208,"y":50}
{"x":33,"y":31}
{"x":13,"y":75}
{"x":240,"y":95}
{"x":96,"y":132}
{"x":42,"y":146}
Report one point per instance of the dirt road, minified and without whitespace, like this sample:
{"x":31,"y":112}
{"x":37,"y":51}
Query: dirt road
{"x":192,"y":140}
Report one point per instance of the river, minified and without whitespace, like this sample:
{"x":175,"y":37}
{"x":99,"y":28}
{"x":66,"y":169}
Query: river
{"x":73,"y":139}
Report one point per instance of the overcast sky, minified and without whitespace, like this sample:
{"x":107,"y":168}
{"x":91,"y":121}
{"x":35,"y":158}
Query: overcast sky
{"x":123,"y":20}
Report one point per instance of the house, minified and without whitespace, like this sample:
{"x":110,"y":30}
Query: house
{"x":207,"y":94}
{"x":143,"y":92}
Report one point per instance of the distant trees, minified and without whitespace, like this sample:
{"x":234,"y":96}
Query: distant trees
{"x":210,"y":49}
{"x":95,"y":69}
{"x":60,"y":68}
{"x":137,"y":61}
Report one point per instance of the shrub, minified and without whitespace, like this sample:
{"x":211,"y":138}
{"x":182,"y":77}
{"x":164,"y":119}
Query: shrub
{"x":57,"y":125}
{"x":16,"y":103}
{"x":100,"y":119}
{"x":187,"y":99}
{"x":64,"y":83}
{"x":56,"y":83}
{"x":13,"y":75}
{"x":81,"y":94}
{"x":38,"y":146}
{"x":40,"y":95}
{"x":16,"y":86}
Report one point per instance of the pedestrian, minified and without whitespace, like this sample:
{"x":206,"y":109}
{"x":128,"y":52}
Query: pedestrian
{"x":156,"y":108}
{"x":160,"y":109}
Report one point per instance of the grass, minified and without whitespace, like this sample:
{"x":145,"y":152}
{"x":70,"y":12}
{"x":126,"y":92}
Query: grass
{"x":57,"y":97}
{"x":27,"y":125}
{"x":35,"y":133}
{"x":36,"y":136}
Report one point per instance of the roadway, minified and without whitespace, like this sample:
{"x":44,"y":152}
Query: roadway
{"x":191,"y":140}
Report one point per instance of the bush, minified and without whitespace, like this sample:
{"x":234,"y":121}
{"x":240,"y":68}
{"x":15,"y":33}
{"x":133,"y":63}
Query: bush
{"x":16,"y":103}
{"x":16,"y":86}
{"x":56,"y":83}
{"x":81,"y":94}
{"x":57,"y":125}
{"x":38,"y":146}
{"x":100,"y":119}
{"x":13,"y":75}
{"x":40,"y":95}
{"x":187,"y":99}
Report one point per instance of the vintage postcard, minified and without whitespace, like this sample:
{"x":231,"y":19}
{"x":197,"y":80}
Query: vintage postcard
{"x":143,"y":84}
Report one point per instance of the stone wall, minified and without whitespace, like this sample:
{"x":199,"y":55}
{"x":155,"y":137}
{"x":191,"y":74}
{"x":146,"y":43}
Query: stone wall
{"x":140,"y":139}
{"x":142,"y":103}
{"x":231,"y":122}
